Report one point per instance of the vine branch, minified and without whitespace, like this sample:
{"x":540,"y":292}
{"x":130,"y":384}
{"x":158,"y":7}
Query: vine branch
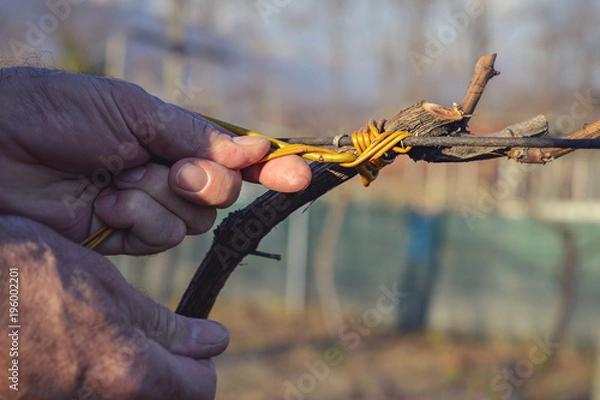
{"x":241,"y":232}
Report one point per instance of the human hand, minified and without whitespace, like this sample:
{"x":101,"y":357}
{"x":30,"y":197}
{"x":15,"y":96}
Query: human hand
{"x":87,"y":334}
{"x":76,"y":153}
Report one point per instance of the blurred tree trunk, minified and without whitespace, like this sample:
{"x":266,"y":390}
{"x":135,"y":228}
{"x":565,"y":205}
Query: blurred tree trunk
{"x":297,"y":263}
{"x":116,"y":55}
{"x":174,"y":63}
{"x":566,"y":301}
{"x":417,"y":88}
{"x":324,"y":265}
{"x":481,"y":32}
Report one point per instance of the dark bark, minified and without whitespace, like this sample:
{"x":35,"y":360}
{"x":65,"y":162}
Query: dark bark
{"x":241,"y":232}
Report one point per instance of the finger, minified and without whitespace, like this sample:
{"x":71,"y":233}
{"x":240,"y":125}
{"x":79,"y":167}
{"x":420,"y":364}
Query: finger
{"x":174,"y":350}
{"x":143,"y":225}
{"x":153,"y":179}
{"x":286,"y":174}
{"x":195,"y":338}
{"x":172,"y":376}
{"x":205,"y":182}
{"x":167,"y":131}
{"x":143,"y":369}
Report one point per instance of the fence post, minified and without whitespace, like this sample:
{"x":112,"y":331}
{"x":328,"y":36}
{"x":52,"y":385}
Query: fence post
{"x":297,"y":263}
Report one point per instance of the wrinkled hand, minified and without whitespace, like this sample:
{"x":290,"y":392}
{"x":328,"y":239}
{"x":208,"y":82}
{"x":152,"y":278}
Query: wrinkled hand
{"x":87,"y":334}
{"x":79,"y":152}
{"x":76,"y":153}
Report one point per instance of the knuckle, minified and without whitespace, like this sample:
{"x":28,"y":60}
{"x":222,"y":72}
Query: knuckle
{"x":132,"y":201}
{"x":163,"y":326}
{"x":174,"y":234}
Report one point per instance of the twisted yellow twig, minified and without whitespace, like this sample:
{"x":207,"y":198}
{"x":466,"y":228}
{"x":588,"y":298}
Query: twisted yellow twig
{"x":373,"y":149}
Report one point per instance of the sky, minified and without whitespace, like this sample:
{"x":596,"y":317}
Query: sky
{"x":297,"y":37}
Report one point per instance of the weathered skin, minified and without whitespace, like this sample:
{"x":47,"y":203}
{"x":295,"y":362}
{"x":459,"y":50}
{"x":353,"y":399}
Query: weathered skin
{"x":76,"y":153}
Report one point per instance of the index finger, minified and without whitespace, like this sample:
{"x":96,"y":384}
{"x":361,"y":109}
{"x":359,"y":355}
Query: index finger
{"x":171,"y":132}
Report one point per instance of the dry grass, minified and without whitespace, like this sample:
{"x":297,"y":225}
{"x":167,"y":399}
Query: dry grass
{"x":271,"y":353}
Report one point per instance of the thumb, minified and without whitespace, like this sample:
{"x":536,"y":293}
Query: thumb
{"x":190,"y":337}
{"x":172,"y":132}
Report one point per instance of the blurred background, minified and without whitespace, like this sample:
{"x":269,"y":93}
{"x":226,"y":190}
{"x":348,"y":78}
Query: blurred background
{"x":474,"y":281}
